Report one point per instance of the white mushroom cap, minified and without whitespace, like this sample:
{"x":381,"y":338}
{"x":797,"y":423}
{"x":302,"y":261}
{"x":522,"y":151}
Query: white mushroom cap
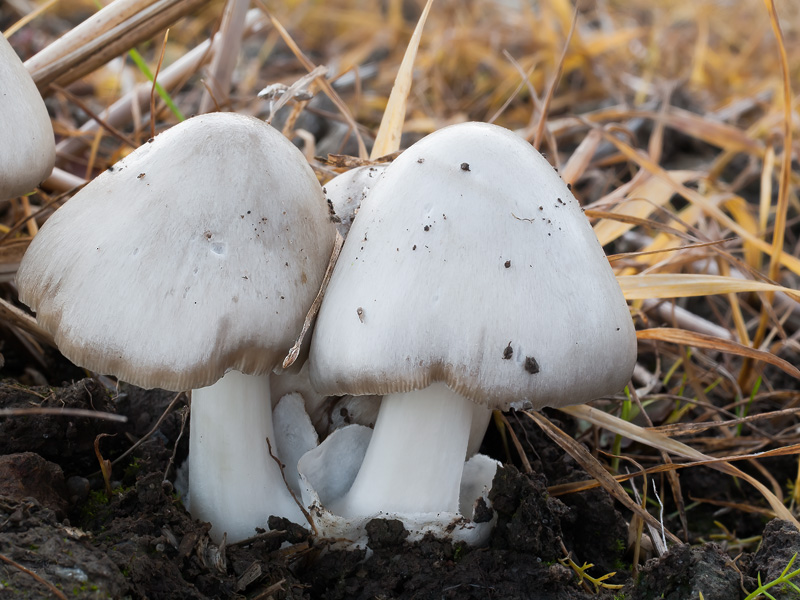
{"x":198,"y":253}
{"x":27,"y":144}
{"x":471,"y":263}
{"x":347,"y":191}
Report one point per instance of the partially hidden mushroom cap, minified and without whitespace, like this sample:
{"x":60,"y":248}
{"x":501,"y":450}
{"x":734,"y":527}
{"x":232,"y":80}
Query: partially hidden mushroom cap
{"x":199,"y":252}
{"x":27,"y":144}
{"x":347,"y":191}
{"x":470,"y":262}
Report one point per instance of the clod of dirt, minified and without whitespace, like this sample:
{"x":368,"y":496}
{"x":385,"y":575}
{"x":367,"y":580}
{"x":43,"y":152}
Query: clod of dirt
{"x":164,"y":553}
{"x":29,"y":475}
{"x":68,"y":441}
{"x":529,"y":520}
{"x":780,"y":542}
{"x":31,"y":536}
{"x":595,"y":532}
{"x":385,"y":533}
{"x":293,"y":532}
{"x":685,"y":572}
{"x":515,"y":565}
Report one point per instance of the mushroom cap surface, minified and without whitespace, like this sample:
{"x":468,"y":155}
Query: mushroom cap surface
{"x":470,"y":262}
{"x":347,"y":191}
{"x":27,"y":144}
{"x":199,"y":252}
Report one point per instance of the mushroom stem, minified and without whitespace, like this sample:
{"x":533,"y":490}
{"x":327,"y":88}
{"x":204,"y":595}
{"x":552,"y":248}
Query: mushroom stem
{"x":233,"y":481}
{"x":481,"y":416}
{"x":416,"y":455}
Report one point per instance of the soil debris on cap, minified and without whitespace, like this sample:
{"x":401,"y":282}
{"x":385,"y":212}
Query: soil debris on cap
{"x":531,"y":366}
{"x":508,"y":352}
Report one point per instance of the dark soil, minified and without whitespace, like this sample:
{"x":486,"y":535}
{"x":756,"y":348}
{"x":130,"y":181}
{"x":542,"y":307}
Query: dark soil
{"x":60,"y":532}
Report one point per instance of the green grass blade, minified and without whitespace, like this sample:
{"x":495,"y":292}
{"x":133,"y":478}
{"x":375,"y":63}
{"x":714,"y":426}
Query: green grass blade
{"x":142,"y":66}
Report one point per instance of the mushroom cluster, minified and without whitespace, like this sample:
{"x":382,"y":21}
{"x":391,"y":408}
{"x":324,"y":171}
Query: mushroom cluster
{"x":469,"y":280}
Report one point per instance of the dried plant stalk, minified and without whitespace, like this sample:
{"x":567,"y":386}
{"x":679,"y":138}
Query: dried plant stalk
{"x":14,"y":316}
{"x":391,"y":128}
{"x":107,"y":34}
{"x":120,"y":113}
{"x":634,"y":432}
{"x":220,"y":72}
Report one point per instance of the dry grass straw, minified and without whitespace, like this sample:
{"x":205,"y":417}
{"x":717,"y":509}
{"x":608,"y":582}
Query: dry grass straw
{"x":112,"y":31}
{"x":387,"y":140}
{"x":657,"y":440}
{"x":673,"y":126}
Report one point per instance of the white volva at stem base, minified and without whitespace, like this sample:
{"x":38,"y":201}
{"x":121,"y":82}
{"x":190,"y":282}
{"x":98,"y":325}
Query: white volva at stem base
{"x":233,"y":482}
{"x":416,"y":455}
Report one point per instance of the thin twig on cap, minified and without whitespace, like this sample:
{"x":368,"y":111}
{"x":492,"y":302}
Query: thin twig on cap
{"x":312,"y":312}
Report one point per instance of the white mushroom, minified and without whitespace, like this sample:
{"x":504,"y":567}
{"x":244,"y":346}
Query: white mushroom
{"x":344,"y":194}
{"x":197,"y":255}
{"x":327,"y":414}
{"x":347,"y":191}
{"x":469,"y":275}
{"x":27,"y":145}
{"x":328,"y":472}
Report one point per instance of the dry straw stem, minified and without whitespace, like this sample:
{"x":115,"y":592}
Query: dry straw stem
{"x":28,"y":18}
{"x":662,"y":442}
{"x":785,"y":175}
{"x":120,"y":113}
{"x":699,"y":340}
{"x":326,"y":86}
{"x":681,"y":317}
{"x":67,"y":412}
{"x":62,"y":181}
{"x":684,"y":285}
{"x":786,"y":161}
{"x":220,"y":71}
{"x":595,"y":469}
{"x":701,"y":201}
{"x":294,"y":352}
{"x":12,"y":315}
{"x":539,"y":133}
{"x":153,"y":87}
{"x":675,"y":429}
{"x":388,"y":138}
{"x":642,"y":200}
{"x":588,"y":484}
{"x":52,"y":589}
{"x":113,"y":30}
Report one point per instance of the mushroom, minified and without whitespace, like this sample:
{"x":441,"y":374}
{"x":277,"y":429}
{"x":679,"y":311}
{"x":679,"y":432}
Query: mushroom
{"x":196,"y":256}
{"x":470,"y":275}
{"x":344,"y":194}
{"x":327,"y":414}
{"x":27,"y":144}
{"x":347,"y":191}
